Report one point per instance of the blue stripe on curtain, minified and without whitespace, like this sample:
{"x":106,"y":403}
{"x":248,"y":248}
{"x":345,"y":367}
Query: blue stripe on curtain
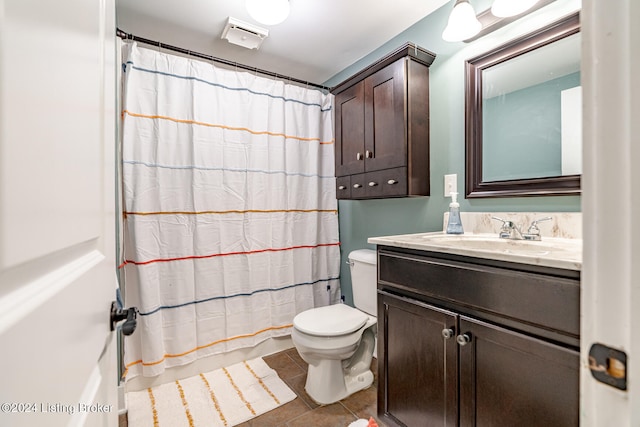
{"x":151,"y":165}
{"x":230,"y":210}
{"x":166,"y":307}
{"x":134,"y":67}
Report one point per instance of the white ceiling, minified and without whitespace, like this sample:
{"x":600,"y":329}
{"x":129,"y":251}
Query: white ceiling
{"x":319,"y":39}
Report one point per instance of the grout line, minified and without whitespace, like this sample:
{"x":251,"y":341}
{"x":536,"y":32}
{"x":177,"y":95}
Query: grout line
{"x":349,"y":410}
{"x":301,"y":396}
{"x":304,"y":368}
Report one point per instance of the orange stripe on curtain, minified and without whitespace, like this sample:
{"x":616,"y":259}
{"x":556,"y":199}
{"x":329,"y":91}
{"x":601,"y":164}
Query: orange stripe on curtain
{"x":213,"y":125}
{"x":169,"y":356}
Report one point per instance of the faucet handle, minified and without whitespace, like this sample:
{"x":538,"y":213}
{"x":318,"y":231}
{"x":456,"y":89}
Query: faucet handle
{"x":507,"y":226}
{"x":534,"y":232}
{"x":533,"y":228}
{"x":504,"y":221}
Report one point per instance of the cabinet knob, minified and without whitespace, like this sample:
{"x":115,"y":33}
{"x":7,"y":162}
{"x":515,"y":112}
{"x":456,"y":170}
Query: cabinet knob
{"x":448,"y":333}
{"x":357,"y":185}
{"x":358,"y":156}
{"x":392,"y":181}
{"x":463,"y":339}
{"x":368,"y":154}
{"x":373,"y":184}
{"x":342,"y":187}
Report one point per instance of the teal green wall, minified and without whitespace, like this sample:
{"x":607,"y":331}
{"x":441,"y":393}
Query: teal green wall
{"x":519,"y":120}
{"x":360,"y":220}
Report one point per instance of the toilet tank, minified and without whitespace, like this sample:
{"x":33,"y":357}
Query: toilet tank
{"x":364,"y":280}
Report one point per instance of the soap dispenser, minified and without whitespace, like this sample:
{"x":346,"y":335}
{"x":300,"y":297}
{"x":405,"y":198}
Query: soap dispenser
{"x":454,"y":226}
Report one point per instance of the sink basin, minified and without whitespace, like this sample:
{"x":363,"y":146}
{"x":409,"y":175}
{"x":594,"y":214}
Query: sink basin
{"x":487,"y":242}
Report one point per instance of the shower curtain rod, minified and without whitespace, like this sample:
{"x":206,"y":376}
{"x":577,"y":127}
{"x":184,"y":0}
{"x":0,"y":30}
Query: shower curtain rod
{"x":128,"y":36}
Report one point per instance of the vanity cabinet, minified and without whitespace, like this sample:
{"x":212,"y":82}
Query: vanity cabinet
{"x":507,"y":378}
{"x":418,"y":387}
{"x":472,"y":342}
{"x":382,"y":128}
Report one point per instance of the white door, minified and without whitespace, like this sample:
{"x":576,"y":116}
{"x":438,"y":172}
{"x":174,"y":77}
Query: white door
{"x":57,"y":214}
{"x":611,"y":207}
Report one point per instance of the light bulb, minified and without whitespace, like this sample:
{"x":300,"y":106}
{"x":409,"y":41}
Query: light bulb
{"x":462,"y":24}
{"x":506,"y":8}
{"x":268,"y":12}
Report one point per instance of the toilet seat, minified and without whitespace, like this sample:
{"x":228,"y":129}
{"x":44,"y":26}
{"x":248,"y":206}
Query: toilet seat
{"x":331,"y":320}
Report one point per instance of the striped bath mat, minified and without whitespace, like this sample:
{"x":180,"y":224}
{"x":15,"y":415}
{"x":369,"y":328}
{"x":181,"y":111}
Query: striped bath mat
{"x":225,"y":397}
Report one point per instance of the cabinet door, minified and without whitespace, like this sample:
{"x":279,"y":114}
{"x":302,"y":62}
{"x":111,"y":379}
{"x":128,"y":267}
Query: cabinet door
{"x":417,"y":373}
{"x":385,"y":118}
{"x":510,"y":379}
{"x":350,"y":130}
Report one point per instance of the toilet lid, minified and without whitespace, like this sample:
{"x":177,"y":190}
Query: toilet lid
{"x":332,"y":320}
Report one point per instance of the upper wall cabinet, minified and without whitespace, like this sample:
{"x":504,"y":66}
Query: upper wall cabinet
{"x":382,"y":128}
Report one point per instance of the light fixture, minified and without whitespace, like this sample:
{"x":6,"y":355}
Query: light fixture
{"x":465,"y":25}
{"x":462,"y":24}
{"x":268,"y":12}
{"x":506,"y":8}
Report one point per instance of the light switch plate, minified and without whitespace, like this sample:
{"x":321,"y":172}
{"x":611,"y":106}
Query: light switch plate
{"x":450,"y":184}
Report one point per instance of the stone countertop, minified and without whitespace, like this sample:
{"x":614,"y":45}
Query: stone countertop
{"x":554,"y":252}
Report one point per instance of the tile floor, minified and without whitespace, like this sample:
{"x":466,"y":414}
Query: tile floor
{"x":303,"y":411}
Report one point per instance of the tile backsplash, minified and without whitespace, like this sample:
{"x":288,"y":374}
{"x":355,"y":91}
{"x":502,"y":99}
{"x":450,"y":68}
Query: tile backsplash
{"x":566,"y":225}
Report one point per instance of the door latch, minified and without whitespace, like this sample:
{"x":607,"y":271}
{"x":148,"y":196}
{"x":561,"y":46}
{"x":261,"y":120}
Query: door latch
{"x":118,"y":314}
{"x":608,"y":365}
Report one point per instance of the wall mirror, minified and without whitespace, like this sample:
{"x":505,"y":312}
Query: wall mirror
{"x":524,"y":115}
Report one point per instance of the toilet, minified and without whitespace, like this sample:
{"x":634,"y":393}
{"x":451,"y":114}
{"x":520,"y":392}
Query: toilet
{"x":338,"y":341}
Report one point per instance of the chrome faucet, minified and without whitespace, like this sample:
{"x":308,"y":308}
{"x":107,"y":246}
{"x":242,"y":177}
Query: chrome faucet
{"x":510,"y":230}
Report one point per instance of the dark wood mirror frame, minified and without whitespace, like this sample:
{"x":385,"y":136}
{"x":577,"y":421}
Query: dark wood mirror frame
{"x":475,"y":186}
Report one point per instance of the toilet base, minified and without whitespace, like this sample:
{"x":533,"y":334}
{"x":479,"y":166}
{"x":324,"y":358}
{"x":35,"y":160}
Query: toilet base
{"x":330,"y":380}
{"x":327,"y":383}
{"x":360,"y":382}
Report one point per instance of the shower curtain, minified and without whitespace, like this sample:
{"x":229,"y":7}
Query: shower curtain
{"x":230,"y":224}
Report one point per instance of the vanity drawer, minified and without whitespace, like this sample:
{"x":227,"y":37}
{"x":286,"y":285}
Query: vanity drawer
{"x":541,"y":300}
{"x":384,"y":183}
{"x":343,"y":187}
{"x":358,"y":186}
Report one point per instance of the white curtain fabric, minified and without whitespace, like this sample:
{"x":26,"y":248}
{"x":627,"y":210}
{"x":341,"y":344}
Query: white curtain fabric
{"x":231,"y":224}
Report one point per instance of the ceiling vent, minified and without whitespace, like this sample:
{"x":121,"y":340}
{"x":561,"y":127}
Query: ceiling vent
{"x":244,"y":34}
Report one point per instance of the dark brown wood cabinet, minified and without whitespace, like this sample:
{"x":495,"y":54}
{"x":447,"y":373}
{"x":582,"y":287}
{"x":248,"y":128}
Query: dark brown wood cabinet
{"x":472,"y":342}
{"x":382,"y":128}
{"x":418,"y":387}
{"x":508,"y":378}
